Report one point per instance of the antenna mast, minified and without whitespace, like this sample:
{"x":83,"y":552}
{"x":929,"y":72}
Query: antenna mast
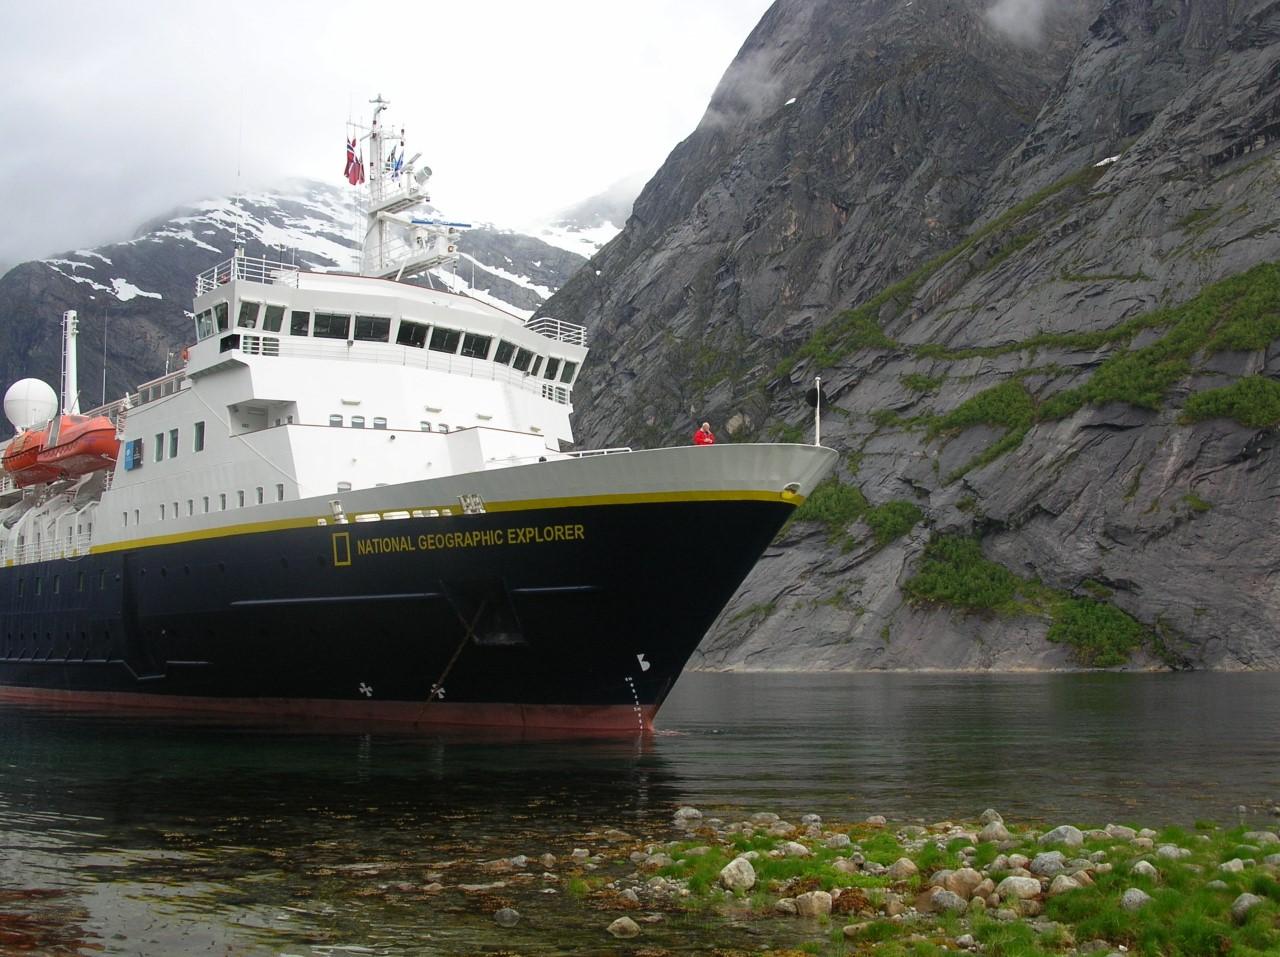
{"x":70,"y":388}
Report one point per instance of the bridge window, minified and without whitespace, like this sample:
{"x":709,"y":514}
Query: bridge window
{"x":299,"y":323}
{"x":273,"y":319}
{"x":204,"y":324}
{"x":445,"y":340}
{"x":220,"y":314}
{"x":553,"y":367}
{"x":411,"y":334}
{"x":537,"y":364}
{"x":504,"y":352}
{"x":522,"y":360}
{"x":248,"y":314}
{"x":566,"y":375}
{"x":476,"y":346}
{"x":373,"y":328}
{"x":331,"y":325}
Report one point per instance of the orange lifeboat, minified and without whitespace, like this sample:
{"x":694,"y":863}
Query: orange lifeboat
{"x":22,"y":458}
{"x":83,"y":445}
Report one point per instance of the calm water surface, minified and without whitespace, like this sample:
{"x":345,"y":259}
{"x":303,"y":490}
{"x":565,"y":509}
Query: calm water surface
{"x":143,"y":836}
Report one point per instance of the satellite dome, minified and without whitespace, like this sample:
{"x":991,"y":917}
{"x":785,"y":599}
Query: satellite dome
{"x":30,"y":402}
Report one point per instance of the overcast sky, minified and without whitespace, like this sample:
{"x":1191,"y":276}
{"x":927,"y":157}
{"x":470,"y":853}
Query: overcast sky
{"x":115,"y":112}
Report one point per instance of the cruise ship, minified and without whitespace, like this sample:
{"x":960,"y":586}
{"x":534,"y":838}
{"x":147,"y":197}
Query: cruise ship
{"x":354,"y":501}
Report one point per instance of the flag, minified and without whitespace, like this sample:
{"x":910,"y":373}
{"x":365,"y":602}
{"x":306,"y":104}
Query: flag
{"x":351,"y":158}
{"x":398,"y":164}
{"x":355,"y":176}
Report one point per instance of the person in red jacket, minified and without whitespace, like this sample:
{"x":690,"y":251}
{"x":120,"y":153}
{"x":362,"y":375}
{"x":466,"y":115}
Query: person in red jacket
{"x":703,"y":436}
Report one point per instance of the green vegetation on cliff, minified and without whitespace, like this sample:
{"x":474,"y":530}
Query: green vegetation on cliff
{"x":1252,"y":401}
{"x":836,"y":505}
{"x":955,"y":572}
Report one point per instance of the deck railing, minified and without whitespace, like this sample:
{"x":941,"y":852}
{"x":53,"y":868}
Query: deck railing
{"x":559,"y":330}
{"x":250,"y":268}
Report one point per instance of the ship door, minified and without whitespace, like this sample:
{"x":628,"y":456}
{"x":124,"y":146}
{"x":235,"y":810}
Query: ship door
{"x":484,"y":608}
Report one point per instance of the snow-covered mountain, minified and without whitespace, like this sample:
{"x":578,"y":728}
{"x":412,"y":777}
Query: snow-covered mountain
{"x":136,"y":294}
{"x":585,"y":227}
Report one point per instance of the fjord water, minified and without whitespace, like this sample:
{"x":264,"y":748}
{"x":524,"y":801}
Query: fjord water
{"x":143,"y":835}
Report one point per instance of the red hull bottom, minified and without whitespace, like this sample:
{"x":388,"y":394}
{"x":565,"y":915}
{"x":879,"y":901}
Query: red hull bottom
{"x":609,"y":719}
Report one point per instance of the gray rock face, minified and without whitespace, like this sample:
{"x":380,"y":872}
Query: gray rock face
{"x":774,"y":218}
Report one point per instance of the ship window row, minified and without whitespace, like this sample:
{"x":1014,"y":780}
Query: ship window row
{"x":164,"y":445}
{"x":357,"y":421}
{"x":331,"y":325}
{"x":57,"y":583}
{"x":172,"y":510}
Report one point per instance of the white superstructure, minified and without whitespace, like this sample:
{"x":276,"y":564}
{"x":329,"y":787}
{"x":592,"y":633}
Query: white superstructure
{"x":302,"y":385}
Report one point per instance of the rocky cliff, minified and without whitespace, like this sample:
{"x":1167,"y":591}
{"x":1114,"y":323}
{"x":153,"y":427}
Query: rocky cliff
{"x":1033,"y":261}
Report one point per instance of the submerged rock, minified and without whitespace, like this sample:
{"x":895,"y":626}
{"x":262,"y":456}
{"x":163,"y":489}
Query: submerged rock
{"x":506,"y":917}
{"x":624,"y":928}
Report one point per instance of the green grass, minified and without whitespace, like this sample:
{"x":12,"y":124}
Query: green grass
{"x":892,"y":520}
{"x":836,"y":505}
{"x":1253,"y":401}
{"x":954,"y":572}
{"x":1102,"y":635}
{"x":917,"y":382}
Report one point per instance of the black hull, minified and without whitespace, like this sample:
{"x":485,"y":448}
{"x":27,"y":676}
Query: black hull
{"x":571,"y":616}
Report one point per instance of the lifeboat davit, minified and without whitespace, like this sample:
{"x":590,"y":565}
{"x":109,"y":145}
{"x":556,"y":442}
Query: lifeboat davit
{"x":84,"y":444}
{"x":22,"y":458}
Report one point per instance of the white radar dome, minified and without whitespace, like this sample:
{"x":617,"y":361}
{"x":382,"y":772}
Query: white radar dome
{"x":30,"y":402}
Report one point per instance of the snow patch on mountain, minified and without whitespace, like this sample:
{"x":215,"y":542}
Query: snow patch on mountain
{"x":126,"y":290}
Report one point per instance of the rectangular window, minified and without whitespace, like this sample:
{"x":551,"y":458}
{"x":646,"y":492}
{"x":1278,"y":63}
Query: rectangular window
{"x":175,"y":509}
{"x":425,"y":426}
{"x":204,"y":324}
{"x":476,"y":346}
{"x":522,"y":360}
{"x":442,"y":427}
{"x":504,"y":352}
{"x":248,"y":314}
{"x":240,"y":498}
{"x":445,"y":340}
{"x":57,"y":584}
{"x":198,"y":443}
{"x":162,"y":511}
{"x":80,"y":582}
{"x":133,"y":455}
{"x":553,"y":367}
{"x":373,"y":328}
{"x":191,"y":507}
{"x":280,"y":492}
{"x":39,"y":585}
{"x":102,"y":579}
{"x":173,"y":443}
{"x":411,"y":334}
{"x":357,"y":421}
{"x":220,"y":314}
{"x":299,"y":323}
{"x":137,"y":516}
{"x":125,"y":517}
{"x":537,"y":364}
{"x":222,"y":501}
{"x":566,"y":375}
{"x":335,"y":421}
{"x":379,"y":422}
{"x":259,"y":494}
{"x":159,"y":446}
{"x":205,"y":502}
{"x":273,"y":319}
{"x":331,"y":325}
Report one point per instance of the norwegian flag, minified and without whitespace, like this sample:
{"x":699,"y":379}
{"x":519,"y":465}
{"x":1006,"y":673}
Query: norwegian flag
{"x":351,"y":159}
{"x":355,"y":172}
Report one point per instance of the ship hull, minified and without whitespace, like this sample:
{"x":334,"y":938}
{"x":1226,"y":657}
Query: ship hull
{"x":573,"y":616}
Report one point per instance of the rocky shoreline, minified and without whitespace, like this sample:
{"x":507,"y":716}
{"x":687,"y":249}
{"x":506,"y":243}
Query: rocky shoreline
{"x":917,"y":890}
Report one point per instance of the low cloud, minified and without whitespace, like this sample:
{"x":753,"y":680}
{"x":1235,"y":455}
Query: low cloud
{"x":1020,"y":20}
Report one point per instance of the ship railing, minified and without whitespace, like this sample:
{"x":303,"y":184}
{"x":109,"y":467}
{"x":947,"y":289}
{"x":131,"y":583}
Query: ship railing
{"x":46,"y":551}
{"x":166,"y":385}
{"x":6,"y":484}
{"x":588,"y":453}
{"x":249,"y":268}
{"x":300,"y":348}
{"x":559,"y":330}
